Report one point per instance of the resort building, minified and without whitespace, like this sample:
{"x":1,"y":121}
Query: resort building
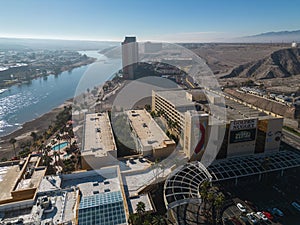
{"x":173,"y":104}
{"x":90,"y":197}
{"x":101,"y":194}
{"x":249,"y":152}
{"x":99,"y":148}
{"x":19,"y":181}
{"x":149,"y":137}
{"x":195,"y":134}
{"x":247,"y":129}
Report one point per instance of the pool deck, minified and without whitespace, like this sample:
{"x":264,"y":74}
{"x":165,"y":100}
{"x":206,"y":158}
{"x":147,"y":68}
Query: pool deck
{"x":62,"y":144}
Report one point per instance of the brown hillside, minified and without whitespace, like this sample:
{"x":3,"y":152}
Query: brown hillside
{"x":279,"y":64}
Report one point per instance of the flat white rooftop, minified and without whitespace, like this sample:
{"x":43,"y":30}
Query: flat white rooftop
{"x":98,"y":136}
{"x":176,"y":97}
{"x":94,"y":181}
{"x":147,"y":130}
{"x":50,"y":183}
{"x":141,"y":198}
{"x":135,"y":180}
{"x":8,"y":178}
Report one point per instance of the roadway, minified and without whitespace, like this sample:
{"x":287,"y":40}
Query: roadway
{"x":291,"y":139}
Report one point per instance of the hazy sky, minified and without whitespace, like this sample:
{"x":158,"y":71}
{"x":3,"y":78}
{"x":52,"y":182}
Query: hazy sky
{"x":166,"y":20}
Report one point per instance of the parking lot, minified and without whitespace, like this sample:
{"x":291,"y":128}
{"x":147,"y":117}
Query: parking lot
{"x":264,"y":196}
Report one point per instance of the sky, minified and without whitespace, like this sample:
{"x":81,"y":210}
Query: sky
{"x":154,"y":20}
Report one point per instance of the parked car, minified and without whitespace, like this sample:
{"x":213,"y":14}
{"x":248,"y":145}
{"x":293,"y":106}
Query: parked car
{"x":296,"y":205}
{"x":268,"y":215}
{"x":277,"y":212}
{"x":235,"y":221}
{"x":245,"y":220}
{"x":261,"y":216}
{"x":241,"y":207}
{"x":252,"y":218}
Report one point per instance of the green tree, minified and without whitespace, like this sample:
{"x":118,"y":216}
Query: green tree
{"x":153,"y":114}
{"x":133,"y":219}
{"x":46,"y":158}
{"x":58,"y":138}
{"x":219,"y":202}
{"x":55,"y":155}
{"x":204,"y":188}
{"x":158,"y":220}
{"x":211,"y":212}
{"x":140,"y":208}
{"x":34,"y":136}
{"x":147,"y":107}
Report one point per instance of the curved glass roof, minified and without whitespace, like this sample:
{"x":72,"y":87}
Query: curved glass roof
{"x":182,"y":185}
{"x":241,"y":166}
{"x":181,"y":190}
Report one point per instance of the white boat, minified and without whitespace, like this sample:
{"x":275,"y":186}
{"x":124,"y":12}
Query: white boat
{"x":2,"y":90}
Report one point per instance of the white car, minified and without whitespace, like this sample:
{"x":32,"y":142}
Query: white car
{"x":261,"y":216}
{"x":241,"y":207}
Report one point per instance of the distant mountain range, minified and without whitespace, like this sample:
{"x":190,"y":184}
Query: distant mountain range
{"x":31,"y":43}
{"x":281,"y":36}
{"x":281,"y":63}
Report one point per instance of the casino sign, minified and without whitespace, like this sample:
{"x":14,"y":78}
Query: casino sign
{"x":243,"y":130}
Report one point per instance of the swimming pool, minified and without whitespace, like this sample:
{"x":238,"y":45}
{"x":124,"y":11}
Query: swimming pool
{"x":59,"y":146}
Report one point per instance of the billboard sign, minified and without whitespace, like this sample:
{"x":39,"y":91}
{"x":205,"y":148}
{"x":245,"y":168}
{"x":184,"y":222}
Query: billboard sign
{"x":243,"y":130}
{"x":243,"y":124}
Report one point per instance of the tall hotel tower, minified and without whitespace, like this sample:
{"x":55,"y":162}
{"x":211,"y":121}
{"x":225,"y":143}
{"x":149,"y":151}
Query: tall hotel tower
{"x":130,"y":57}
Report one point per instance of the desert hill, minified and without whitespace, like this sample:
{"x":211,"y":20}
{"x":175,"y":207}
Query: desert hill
{"x":279,"y":64}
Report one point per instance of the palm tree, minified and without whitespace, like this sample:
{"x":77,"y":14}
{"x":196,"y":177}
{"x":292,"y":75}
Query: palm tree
{"x":204,"y":188}
{"x":140,"y":208}
{"x":133,"y":219}
{"x":34,"y":136}
{"x":55,"y":155}
{"x":219,"y":202}
{"x":58,"y":138}
{"x":147,"y":107}
{"x":158,"y":220}
{"x":210,"y":199}
{"x":46,"y":158}
{"x":42,"y":146}
{"x":13,"y":142}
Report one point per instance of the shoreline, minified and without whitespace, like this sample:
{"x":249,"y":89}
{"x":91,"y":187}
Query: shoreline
{"x":89,"y":61}
{"x":37,"y":125}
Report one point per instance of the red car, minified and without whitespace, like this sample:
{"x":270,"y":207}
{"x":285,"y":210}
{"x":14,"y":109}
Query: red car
{"x":268,"y":215}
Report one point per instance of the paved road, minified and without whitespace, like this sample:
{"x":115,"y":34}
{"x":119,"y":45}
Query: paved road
{"x":291,"y":139}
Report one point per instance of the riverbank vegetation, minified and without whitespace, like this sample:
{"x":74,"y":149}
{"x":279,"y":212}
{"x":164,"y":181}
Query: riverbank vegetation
{"x":61,"y":129}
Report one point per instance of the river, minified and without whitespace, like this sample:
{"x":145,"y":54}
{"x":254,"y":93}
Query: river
{"x":22,"y":103}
